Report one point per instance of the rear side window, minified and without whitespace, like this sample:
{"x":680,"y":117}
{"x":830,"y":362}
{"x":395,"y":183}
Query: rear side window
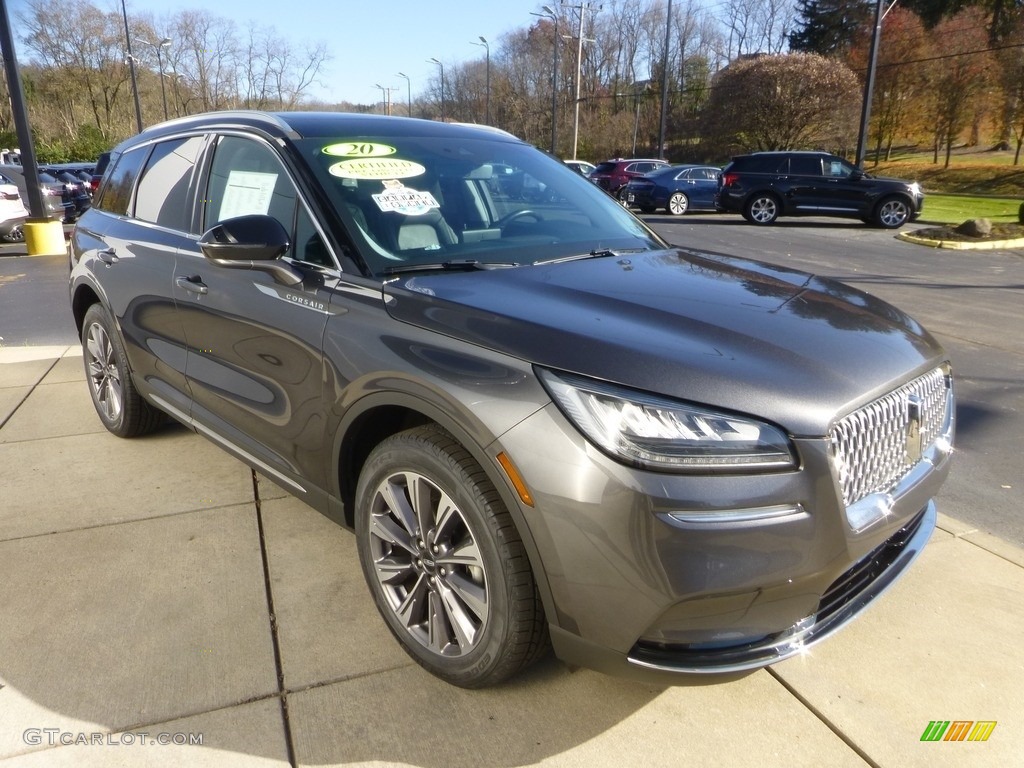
{"x":803,"y":165}
{"x":761,"y":164}
{"x":163,"y":195}
{"x":117,"y":192}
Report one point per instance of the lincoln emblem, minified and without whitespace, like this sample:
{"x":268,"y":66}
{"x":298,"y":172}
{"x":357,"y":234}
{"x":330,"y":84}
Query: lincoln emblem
{"x":914,"y":438}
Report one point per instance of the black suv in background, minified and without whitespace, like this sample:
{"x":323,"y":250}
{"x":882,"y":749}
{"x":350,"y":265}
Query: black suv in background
{"x":765,"y":185}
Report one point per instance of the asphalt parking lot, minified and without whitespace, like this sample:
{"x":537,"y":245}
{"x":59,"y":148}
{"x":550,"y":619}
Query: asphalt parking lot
{"x":157,"y":586}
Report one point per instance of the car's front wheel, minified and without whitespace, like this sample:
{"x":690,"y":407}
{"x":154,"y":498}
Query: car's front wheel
{"x":118,"y":404}
{"x":892,"y":213}
{"x":762,"y":209}
{"x":444,"y":561}
{"x":678,"y":203}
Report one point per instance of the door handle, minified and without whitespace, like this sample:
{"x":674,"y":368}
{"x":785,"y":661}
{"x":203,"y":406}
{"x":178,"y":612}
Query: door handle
{"x":192,"y":284}
{"x":108,"y":257}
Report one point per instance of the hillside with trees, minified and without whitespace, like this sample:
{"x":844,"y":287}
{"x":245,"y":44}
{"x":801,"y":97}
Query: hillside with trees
{"x":742,"y":75}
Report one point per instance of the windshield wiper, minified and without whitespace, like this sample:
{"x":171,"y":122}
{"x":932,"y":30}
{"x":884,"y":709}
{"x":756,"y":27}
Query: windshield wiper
{"x":454,"y":265}
{"x":597,"y":253}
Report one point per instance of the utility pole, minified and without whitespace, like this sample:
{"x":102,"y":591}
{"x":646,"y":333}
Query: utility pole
{"x":582,"y":8}
{"x":869,"y":84}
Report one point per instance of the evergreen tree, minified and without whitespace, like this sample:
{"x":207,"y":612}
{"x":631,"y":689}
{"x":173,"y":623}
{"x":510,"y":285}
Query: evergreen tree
{"x":829,"y":27}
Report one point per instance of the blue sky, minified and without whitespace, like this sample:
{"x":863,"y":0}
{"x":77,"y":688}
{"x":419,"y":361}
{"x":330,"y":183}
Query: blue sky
{"x":369,"y":42}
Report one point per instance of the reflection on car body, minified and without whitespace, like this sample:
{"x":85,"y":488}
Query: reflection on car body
{"x":545,"y":424}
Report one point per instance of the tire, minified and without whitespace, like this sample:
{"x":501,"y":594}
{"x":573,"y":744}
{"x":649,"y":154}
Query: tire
{"x":620,"y":195}
{"x":678,"y":204}
{"x":892,"y":213}
{"x":118,"y":404}
{"x":762,"y":209}
{"x":16,"y":235}
{"x":443,"y":560}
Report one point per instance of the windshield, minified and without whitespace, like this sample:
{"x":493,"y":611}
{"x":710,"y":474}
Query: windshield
{"x":431,"y":201}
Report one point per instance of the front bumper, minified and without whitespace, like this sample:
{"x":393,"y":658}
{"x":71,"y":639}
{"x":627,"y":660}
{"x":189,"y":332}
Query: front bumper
{"x":654,"y":574}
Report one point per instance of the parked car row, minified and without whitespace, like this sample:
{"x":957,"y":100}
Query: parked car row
{"x":762,"y":186}
{"x":67,"y":190}
{"x":12,"y":212}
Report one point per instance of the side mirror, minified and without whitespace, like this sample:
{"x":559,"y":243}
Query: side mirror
{"x":250,"y":242}
{"x":857,"y":174}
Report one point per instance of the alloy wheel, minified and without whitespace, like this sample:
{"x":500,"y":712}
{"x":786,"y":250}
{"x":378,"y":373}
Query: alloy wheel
{"x":893,"y":213}
{"x":764,"y":210}
{"x":103,"y":374}
{"x":678,"y":203}
{"x":428,"y":564}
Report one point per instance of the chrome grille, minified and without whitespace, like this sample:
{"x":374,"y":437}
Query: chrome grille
{"x":870,"y":445}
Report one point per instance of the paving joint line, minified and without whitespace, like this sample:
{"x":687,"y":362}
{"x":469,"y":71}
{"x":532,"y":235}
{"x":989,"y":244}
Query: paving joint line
{"x":31,"y":389}
{"x":217,"y":508}
{"x":825,"y":720}
{"x":278,"y":664}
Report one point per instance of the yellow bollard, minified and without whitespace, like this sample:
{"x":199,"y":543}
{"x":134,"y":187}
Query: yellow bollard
{"x":44,"y":237}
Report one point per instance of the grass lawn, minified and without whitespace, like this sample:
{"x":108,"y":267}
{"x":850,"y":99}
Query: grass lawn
{"x":956,"y":209}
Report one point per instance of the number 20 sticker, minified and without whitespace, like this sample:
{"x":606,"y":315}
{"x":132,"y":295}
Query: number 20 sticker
{"x":358,"y":149}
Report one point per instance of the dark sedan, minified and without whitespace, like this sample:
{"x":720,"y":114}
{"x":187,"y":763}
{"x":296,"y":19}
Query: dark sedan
{"x":677,"y":189}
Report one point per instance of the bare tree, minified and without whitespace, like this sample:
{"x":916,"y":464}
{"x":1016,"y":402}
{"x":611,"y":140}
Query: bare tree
{"x":959,"y":77}
{"x":206,"y":57}
{"x":271,"y":74}
{"x":88,"y":50}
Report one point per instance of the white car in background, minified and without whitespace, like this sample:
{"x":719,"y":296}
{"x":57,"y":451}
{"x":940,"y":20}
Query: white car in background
{"x":12,"y":212}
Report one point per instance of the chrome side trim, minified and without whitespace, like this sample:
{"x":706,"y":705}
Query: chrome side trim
{"x":806,"y":632}
{"x":247,"y":457}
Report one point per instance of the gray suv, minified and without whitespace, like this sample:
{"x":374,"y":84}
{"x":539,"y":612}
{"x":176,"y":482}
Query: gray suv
{"x":546,"y":425}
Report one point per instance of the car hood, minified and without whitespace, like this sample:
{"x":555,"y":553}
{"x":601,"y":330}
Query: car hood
{"x":733,"y":333}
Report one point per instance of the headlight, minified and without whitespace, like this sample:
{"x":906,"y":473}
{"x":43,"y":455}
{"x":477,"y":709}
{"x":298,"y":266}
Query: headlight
{"x":658,"y":433}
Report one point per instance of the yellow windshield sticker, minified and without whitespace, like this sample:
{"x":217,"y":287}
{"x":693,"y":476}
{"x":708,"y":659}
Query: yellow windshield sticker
{"x":376,"y":168}
{"x":358,"y":149}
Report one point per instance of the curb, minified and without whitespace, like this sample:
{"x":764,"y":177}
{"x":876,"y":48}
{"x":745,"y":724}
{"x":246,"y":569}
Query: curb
{"x":961,"y":245}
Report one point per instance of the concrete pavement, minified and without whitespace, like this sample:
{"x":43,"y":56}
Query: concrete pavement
{"x":155,"y":589}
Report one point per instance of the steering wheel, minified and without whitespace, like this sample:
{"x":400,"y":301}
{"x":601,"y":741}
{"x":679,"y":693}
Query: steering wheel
{"x":504,"y":221}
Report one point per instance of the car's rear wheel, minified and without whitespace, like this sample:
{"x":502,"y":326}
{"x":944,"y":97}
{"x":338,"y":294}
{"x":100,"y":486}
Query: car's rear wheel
{"x":444,"y":561}
{"x":892,"y":213}
{"x":762,"y":209}
{"x":16,"y":235}
{"x":119,"y":405}
{"x":678,"y":203}
{"x":621,"y":195}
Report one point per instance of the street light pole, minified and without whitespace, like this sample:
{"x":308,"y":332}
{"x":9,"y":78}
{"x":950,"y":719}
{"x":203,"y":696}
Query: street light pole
{"x":438,"y":62}
{"x":131,"y":68}
{"x":664,"y":85}
{"x":408,"y":86}
{"x":550,"y":14}
{"x":487,"y":99}
{"x":160,"y":65}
